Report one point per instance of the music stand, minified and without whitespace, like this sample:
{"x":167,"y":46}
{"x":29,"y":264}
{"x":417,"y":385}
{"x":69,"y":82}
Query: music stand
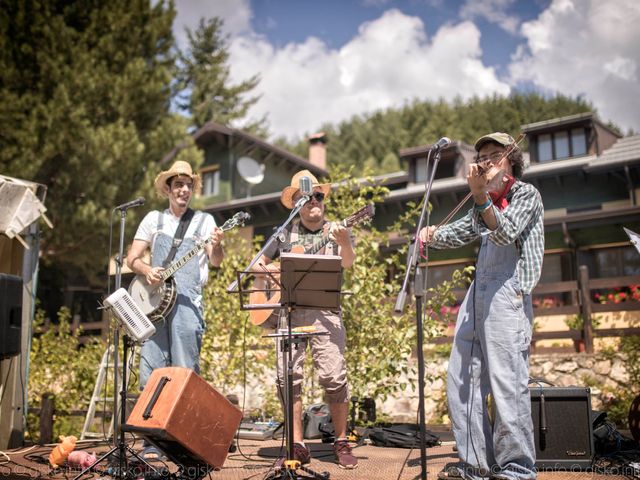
{"x":306,"y":282}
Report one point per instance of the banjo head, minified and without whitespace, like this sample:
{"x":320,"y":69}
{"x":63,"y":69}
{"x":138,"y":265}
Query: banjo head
{"x":148,"y":297}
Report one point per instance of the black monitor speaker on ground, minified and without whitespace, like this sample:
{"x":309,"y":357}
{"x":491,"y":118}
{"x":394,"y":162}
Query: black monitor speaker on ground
{"x":562,"y":428}
{"x":10,"y":315}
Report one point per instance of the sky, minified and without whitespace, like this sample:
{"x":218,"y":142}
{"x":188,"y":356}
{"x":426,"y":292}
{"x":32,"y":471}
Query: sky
{"x":327,"y":60}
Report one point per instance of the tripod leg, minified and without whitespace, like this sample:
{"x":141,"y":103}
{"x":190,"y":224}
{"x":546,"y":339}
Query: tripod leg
{"x":142,"y":460}
{"x":90,"y":467}
{"x":319,"y":476}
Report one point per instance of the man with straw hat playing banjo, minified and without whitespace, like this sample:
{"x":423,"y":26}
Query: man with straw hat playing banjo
{"x":178,"y":338}
{"x":308,"y":230}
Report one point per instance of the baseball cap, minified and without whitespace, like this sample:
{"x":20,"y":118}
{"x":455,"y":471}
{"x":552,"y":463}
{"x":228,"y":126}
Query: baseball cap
{"x":500,"y":138}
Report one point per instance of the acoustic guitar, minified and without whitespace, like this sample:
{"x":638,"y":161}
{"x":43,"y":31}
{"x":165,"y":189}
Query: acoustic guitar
{"x":156,"y":301}
{"x":265,"y":294}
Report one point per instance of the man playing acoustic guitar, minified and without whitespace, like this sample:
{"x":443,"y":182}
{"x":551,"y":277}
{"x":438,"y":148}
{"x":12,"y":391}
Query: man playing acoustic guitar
{"x":178,"y":338}
{"x":308,"y":231}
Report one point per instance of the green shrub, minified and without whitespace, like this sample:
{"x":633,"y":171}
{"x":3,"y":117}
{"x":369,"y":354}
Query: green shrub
{"x":62,"y":366}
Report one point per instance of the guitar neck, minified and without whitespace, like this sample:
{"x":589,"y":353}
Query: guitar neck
{"x":321,"y":244}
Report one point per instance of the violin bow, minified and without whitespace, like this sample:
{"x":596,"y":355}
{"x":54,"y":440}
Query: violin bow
{"x":506,"y":153}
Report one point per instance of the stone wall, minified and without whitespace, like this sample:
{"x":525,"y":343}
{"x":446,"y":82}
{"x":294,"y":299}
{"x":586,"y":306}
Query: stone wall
{"x":604,"y":374}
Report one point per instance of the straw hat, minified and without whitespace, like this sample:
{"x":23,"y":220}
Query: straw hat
{"x":288,"y":192}
{"x":178,"y":168}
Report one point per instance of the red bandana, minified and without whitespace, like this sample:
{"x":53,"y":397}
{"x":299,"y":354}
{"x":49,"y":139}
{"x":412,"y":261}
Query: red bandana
{"x":499,"y":198}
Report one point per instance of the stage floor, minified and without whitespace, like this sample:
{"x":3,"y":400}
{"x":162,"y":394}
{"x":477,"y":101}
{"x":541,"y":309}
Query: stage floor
{"x":253,"y":460}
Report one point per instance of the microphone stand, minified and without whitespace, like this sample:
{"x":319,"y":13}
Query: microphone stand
{"x":419,"y":290}
{"x":120,"y":447}
{"x":298,"y":206}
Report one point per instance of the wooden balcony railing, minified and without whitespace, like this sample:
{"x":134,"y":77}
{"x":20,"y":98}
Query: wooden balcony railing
{"x":577,"y":299}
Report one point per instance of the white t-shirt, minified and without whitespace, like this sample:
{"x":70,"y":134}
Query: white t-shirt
{"x":148,"y":231}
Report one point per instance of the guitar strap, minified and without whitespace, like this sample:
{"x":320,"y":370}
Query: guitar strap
{"x":185,"y":220}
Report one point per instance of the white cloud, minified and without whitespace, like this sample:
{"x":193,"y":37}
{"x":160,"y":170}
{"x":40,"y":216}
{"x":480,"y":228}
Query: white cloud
{"x":493,"y":11}
{"x":577,"y":47}
{"x":586,"y":47}
{"x":236,"y":15}
{"x":389,"y":60}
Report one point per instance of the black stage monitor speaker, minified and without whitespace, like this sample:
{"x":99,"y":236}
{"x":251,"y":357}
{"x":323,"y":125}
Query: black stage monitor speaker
{"x":562,"y":427}
{"x":10,"y":315}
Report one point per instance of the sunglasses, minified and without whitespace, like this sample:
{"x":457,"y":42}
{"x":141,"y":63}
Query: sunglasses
{"x":317,"y":196}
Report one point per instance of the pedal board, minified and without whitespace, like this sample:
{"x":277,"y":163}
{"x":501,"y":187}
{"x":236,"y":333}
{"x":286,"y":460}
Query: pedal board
{"x":257,"y":430}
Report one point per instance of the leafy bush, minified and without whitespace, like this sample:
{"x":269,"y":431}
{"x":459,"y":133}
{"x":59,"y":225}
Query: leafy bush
{"x":62,"y":366}
{"x":232,"y":347}
{"x":576,"y":322}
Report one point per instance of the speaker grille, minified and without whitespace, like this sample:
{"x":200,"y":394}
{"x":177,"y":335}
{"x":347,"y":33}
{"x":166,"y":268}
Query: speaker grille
{"x":568,"y":441}
{"x":134,"y":321}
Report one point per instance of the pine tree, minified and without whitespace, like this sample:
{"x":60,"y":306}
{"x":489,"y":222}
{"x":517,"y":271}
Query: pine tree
{"x":84,"y":99}
{"x":204,"y":84}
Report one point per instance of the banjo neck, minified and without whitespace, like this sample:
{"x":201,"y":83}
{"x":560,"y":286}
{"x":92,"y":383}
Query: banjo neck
{"x":237,"y":220}
{"x":178,"y":264}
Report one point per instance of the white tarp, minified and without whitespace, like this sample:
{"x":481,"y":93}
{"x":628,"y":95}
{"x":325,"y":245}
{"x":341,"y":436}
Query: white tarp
{"x":20,"y":207}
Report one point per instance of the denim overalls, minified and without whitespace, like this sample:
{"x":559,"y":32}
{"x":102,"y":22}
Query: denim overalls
{"x":491,"y":355}
{"x":178,"y":337}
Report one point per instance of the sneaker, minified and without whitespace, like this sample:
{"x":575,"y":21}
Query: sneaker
{"x":300,"y":453}
{"x":344,"y":455}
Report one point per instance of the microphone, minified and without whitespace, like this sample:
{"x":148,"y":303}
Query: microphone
{"x":306,"y":189}
{"x":543,"y":417}
{"x":133,"y":203}
{"x":442,"y":143}
{"x":305,"y":186}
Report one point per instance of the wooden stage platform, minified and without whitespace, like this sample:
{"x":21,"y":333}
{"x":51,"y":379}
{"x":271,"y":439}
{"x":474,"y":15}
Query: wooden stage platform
{"x":254,"y":459}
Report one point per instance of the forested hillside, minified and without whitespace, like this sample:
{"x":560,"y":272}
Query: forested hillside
{"x":374,"y":140}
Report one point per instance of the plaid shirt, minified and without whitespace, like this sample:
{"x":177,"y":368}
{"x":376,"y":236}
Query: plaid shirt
{"x":520,"y":222}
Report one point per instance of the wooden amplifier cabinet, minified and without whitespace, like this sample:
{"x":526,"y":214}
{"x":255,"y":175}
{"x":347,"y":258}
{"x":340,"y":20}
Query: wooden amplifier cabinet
{"x":189,"y":420}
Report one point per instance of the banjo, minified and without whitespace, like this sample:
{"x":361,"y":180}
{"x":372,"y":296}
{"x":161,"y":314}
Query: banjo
{"x":156,"y":301}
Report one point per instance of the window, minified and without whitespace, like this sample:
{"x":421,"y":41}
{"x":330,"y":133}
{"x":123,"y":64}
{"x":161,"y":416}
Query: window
{"x":211,"y":182}
{"x":561,"y":144}
{"x":421,"y":170}
{"x":545,"y":152}
{"x":616,"y":262}
{"x":578,"y":142}
{"x":446,"y":169}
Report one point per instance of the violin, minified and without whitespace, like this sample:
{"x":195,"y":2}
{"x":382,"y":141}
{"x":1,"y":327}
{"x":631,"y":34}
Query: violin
{"x":498,"y":186}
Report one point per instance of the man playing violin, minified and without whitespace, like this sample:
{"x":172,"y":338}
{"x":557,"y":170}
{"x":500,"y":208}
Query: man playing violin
{"x":327,"y":350}
{"x":488,"y":373}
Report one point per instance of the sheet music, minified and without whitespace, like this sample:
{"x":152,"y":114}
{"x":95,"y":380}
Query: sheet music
{"x":634,"y":237}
